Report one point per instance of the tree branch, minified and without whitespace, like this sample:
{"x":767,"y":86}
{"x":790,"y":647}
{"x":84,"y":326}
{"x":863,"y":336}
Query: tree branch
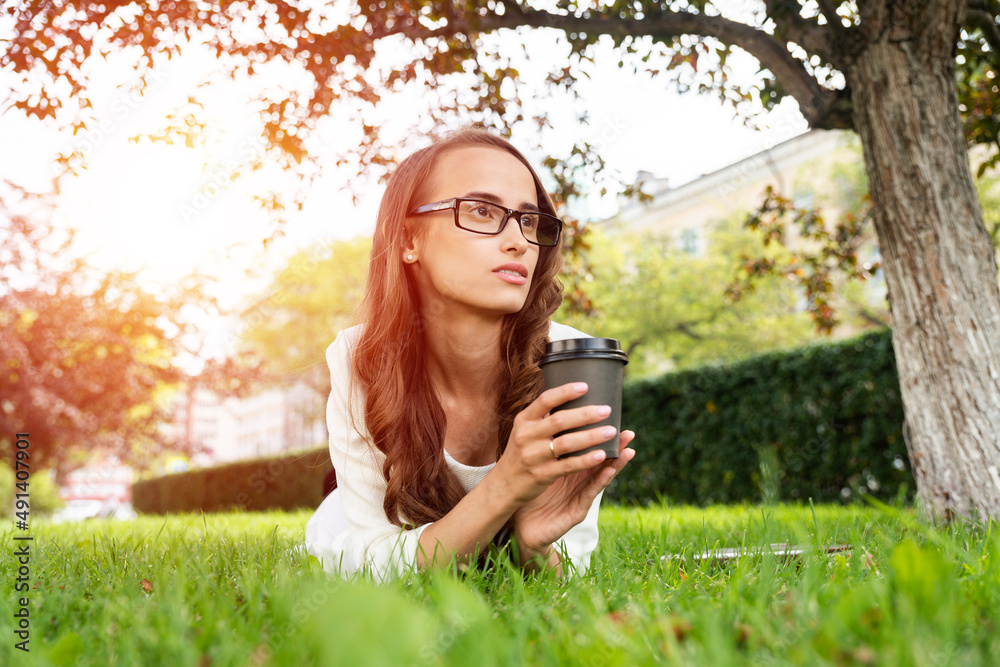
{"x":820,"y":106}
{"x":685,"y":328}
{"x":986,"y":22}
{"x":513,"y":6}
{"x":830,"y":13}
{"x":934,"y":19}
{"x":870,"y":317}
{"x":989,"y":6}
{"x":630,"y":350}
{"x":790,"y":26}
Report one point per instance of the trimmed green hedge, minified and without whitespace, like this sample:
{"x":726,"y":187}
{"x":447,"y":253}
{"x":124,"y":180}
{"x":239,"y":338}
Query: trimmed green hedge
{"x":821,"y":422}
{"x":286,"y":482}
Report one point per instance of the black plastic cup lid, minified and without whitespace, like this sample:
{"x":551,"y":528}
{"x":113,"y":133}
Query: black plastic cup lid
{"x":583,"y":348}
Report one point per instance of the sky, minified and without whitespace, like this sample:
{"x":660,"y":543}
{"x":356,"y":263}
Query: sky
{"x":143,"y":206}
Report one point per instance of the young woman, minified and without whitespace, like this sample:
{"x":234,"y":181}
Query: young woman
{"x":440,"y":431}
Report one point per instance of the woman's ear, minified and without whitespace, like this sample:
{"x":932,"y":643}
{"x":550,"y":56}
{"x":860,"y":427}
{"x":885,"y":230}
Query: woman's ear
{"x":411,"y":247}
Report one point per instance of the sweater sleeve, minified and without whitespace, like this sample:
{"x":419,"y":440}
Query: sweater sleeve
{"x":580,"y":541}
{"x":372,"y":542}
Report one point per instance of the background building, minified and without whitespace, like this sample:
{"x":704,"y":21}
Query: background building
{"x":105,"y":479}
{"x":803,"y":169}
{"x":272,"y":420}
{"x":822,"y":169}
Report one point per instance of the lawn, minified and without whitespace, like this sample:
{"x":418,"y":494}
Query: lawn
{"x":229,"y":590}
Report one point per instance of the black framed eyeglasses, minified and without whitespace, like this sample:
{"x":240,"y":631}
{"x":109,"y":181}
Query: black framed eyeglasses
{"x":484,"y":217}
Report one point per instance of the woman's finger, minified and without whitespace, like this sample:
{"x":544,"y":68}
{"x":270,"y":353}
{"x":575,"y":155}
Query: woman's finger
{"x":625,"y":439}
{"x":603,"y":475}
{"x":574,"y":418}
{"x":615,"y":466}
{"x":553,"y":398}
{"x":574,"y":464}
{"x":574,"y":442}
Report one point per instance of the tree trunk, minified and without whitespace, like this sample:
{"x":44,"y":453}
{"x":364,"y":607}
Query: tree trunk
{"x":937,"y":257}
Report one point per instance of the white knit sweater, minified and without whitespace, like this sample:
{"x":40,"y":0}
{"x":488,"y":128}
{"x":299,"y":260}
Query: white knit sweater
{"x":349,"y":531}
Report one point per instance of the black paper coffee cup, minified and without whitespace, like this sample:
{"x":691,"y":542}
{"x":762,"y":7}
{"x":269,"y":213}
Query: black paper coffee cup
{"x":600,"y":362}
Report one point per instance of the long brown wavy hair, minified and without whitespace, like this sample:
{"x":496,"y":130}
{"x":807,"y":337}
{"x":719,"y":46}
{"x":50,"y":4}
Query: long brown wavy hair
{"x":402,"y":413}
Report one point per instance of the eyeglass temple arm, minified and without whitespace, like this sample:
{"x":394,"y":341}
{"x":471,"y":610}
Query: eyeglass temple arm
{"x":436,"y":206}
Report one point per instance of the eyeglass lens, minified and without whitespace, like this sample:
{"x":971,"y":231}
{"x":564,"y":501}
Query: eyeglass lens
{"x":486,"y":218}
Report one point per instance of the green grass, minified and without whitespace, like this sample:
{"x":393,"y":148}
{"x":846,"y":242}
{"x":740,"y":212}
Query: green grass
{"x":226,"y":590}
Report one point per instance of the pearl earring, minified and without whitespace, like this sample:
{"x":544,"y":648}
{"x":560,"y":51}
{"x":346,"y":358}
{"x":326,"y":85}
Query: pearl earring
{"x":409,"y":258}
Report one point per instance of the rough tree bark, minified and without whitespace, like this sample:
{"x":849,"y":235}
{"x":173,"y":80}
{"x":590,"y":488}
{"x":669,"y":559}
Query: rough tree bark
{"x":936,"y":253}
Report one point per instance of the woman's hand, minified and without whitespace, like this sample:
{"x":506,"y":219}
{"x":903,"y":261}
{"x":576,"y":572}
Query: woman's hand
{"x":552,"y":495}
{"x":565,"y":503}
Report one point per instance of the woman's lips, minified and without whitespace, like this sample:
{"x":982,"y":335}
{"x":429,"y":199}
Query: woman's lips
{"x":513,"y":273}
{"x":511,"y":277}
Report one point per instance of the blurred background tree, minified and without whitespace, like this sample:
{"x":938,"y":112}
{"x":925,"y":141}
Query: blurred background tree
{"x":43,"y":490}
{"x":824,"y":222}
{"x":668,"y":307}
{"x":89,"y":358}
{"x":290,"y":324}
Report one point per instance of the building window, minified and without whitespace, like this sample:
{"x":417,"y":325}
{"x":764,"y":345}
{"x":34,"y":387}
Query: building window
{"x":804,"y":199}
{"x":690,"y":241}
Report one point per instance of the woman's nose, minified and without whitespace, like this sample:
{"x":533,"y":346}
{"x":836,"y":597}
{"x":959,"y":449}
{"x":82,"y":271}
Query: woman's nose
{"x":512,"y":236}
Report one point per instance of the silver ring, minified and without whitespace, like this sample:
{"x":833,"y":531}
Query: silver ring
{"x":552,"y":447}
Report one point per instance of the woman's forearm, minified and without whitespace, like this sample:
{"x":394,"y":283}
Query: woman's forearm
{"x":467,"y":530}
{"x":549,"y":560}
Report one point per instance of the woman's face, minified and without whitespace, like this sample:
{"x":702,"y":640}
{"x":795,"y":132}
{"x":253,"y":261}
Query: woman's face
{"x":487,"y":274}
